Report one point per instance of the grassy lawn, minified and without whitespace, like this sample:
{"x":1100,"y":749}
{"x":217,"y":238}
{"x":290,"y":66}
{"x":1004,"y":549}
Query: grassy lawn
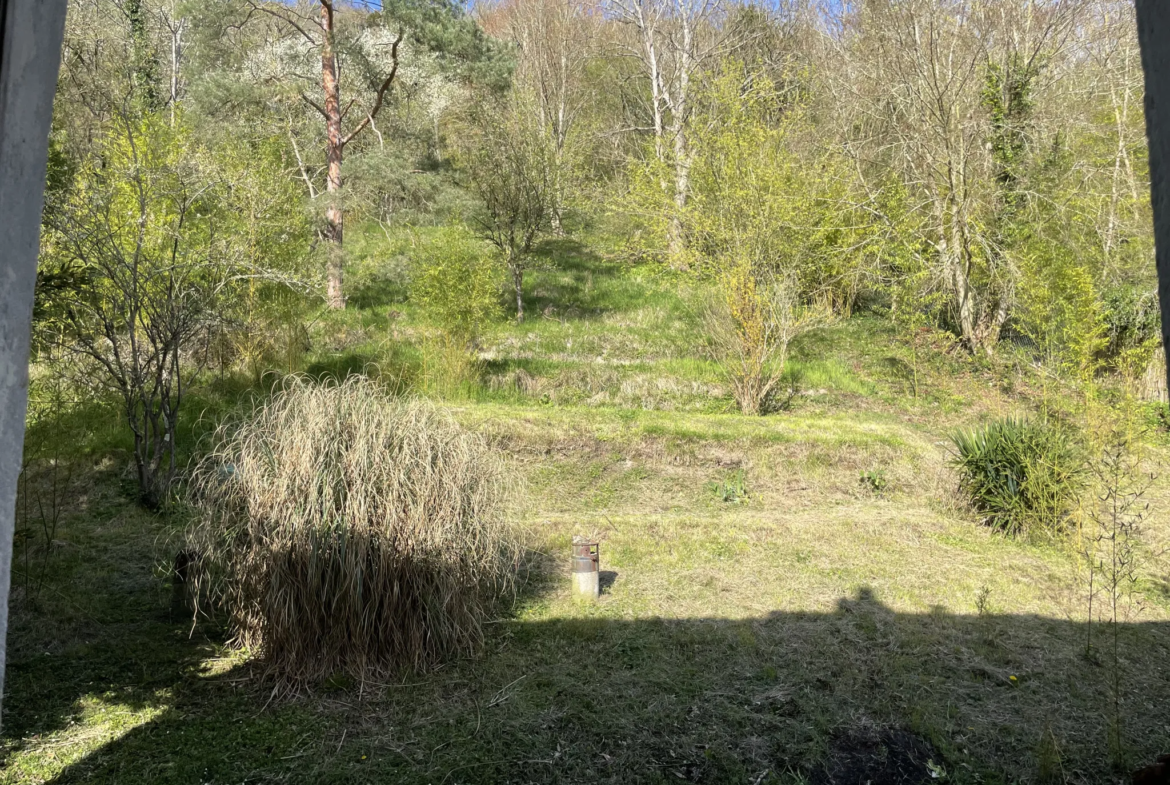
{"x":802,"y":628}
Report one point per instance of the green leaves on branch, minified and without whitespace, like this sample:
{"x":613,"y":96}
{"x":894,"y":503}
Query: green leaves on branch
{"x":457,"y":282}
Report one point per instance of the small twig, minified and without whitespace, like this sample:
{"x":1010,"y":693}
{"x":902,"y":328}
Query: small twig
{"x":500,"y":696}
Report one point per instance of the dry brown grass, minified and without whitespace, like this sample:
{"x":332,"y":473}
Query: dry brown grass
{"x":348,"y":532}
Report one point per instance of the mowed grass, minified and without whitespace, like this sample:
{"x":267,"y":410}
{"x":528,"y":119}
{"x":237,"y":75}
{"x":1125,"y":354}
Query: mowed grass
{"x":754,"y":639}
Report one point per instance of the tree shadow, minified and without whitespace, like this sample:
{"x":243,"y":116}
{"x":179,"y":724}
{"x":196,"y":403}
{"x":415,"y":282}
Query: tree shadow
{"x":854,"y":694}
{"x":340,"y":367}
{"x":377,"y":292}
{"x":129,"y":656}
{"x":570,"y":281}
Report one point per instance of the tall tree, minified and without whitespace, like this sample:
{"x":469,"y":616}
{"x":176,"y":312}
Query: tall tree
{"x":936,"y":91}
{"x":507,"y":158}
{"x":319,"y":31}
{"x":555,"y":40}
{"x":673,"y":40}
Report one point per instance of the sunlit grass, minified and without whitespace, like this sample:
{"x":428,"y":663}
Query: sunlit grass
{"x":738,"y":635}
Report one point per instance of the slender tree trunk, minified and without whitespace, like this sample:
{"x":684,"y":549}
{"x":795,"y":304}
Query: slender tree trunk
{"x":555,"y":220}
{"x":518,"y":285}
{"x":176,"y":26}
{"x":334,"y":217}
{"x":950,"y":250}
{"x":145,"y":73}
{"x":682,"y":161}
{"x":682,"y":178}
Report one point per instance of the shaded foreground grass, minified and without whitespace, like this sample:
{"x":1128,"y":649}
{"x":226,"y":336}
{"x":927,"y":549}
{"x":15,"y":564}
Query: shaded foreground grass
{"x":762,"y":641}
{"x":778,"y":698}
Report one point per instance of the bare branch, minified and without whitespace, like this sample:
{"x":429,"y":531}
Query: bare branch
{"x":381,"y":94}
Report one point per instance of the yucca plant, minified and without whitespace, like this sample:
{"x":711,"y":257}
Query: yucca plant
{"x":347,"y":532}
{"x":1021,"y":473}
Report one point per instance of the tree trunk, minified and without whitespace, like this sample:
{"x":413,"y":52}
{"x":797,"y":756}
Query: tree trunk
{"x":518,"y":284}
{"x":950,"y":250}
{"x":1153,"y":19}
{"x":334,"y":218}
{"x":682,"y":177}
{"x":682,"y":161}
{"x":145,"y":66}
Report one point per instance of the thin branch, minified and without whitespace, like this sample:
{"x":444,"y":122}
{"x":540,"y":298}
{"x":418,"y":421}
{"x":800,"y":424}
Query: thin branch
{"x":381,"y":95}
{"x":315,"y":105}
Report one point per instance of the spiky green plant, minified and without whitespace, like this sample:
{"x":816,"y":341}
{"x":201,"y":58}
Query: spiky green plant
{"x":1023,"y":474}
{"x":348,"y":532}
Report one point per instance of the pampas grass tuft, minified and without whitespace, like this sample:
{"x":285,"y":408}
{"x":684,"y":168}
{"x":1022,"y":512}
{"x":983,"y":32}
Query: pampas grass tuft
{"x":347,"y":532}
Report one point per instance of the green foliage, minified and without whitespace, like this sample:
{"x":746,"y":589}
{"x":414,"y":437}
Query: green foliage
{"x":1058,"y":308}
{"x":730,"y":490}
{"x":137,"y":236}
{"x":750,"y":323}
{"x":510,"y":168}
{"x":874,"y":480}
{"x":457,"y":282}
{"x":1025,"y":475}
{"x":268,"y":235}
{"x":1132,"y":319}
{"x":446,"y":28}
{"x":765,"y":195}
{"x":1009,"y":100}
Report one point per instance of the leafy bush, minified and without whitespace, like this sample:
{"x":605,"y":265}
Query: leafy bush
{"x":1021,"y":473}
{"x":1132,"y":318}
{"x":457,"y":282}
{"x":346,"y":532}
{"x":750,"y":324}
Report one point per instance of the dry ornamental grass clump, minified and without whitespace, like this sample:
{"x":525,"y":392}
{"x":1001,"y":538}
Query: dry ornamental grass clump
{"x":345,"y":531}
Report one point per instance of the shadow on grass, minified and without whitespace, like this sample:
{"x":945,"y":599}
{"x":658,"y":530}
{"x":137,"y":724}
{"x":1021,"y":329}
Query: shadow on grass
{"x":378,"y":292}
{"x":571,"y":281}
{"x":340,"y":367}
{"x":860,"y":694}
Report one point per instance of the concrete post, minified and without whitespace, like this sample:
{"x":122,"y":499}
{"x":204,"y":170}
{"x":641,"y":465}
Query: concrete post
{"x":30,"y":51}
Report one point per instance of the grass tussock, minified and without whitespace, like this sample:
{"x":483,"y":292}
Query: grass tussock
{"x":1025,"y":475}
{"x":347,"y":532}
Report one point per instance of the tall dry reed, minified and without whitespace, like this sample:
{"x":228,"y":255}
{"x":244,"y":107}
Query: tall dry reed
{"x":345,"y":531}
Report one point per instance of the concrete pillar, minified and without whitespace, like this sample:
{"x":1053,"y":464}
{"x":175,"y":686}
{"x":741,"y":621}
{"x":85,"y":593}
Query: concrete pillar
{"x":30,"y":51}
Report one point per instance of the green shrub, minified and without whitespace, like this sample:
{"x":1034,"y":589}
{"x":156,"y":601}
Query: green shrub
{"x":457,"y":281}
{"x":347,"y":532}
{"x":1022,"y":474}
{"x":732,"y":490}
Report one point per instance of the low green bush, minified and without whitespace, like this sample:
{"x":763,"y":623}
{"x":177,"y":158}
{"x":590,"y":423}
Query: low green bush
{"x":874,"y":480}
{"x":732,"y":490}
{"x":1023,"y":474}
